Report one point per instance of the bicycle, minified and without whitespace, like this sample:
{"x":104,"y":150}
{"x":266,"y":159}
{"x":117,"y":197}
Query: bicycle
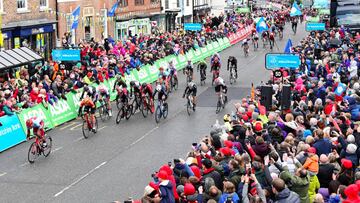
{"x":174,"y":84}
{"x":104,"y":112}
{"x":37,"y":148}
{"x":215,"y":75}
{"x":190,"y":105}
{"x":220,"y":103}
{"x":136,"y":103}
{"x":246,"y":50}
{"x":161,"y":110}
{"x":146,"y":105}
{"x":256,"y":44}
{"x":125,"y":111}
{"x":188,"y":76}
{"x":87,"y":126}
{"x":232,"y":78}
{"x":202,"y":76}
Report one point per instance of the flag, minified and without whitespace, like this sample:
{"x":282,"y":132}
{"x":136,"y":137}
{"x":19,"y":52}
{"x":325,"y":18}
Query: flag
{"x":111,"y":13}
{"x":340,"y":89}
{"x":261,"y":25}
{"x":288,"y":46}
{"x":252,"y":94}
{"x":295,"y":10}
{"x":75,"y":15}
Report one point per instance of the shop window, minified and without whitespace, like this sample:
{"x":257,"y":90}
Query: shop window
{"x":123,"y":3}
{"x":44,"y":4}
{"x":68,"y":22}
{"x":139,"y":2}
{"x":166,"y":4}
{"x":178,"y":3}
{"x":21,"y":5}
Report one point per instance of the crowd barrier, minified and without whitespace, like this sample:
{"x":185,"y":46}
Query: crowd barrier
{"x":13,"y":129}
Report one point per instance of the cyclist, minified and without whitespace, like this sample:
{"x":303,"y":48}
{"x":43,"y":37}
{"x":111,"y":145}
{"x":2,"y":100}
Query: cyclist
{"x":255,"y":38}
{"x":232,"y":65}
{"x":215,"y":68}
{"x":172,"y":70}
{"x":37,"y":125}
{"x":220,"y":86}
{"x":135,"y":88}
{"x":91,"y":92}
{"x":189,"y":69}
{"x":272,"y":39}
{"x":161,"y":91}
{"x":146,"y":89}
{"x":104,"y":94}
{"x":191,"y":89}
{"x":202,"y":66}
{"x":245,"y":45}
{"x":163,"y":77}
{"x":213,"y":57}
{"x":264,"y":36}
{"x":90,"y":108}
{"x":120,"y":86}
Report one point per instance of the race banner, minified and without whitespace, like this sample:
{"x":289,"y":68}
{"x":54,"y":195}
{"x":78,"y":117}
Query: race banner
{"x":11,"y":132}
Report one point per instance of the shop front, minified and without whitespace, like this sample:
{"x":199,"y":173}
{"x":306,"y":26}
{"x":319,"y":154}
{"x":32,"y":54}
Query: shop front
{"x":40,"y":37}
{"x":132,"y":27}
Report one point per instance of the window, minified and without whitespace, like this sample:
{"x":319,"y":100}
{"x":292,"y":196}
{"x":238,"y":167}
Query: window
{"x":166,"y":4}
{"x":123,"y":3}
{"x":21,"y":5}
{"x":178,"y":3}
{"x":139,"y":2}
{"x":187,"y":2}
{"x":1,"y":6}
{"x":68,"y":22}
{"x":44,"y":4}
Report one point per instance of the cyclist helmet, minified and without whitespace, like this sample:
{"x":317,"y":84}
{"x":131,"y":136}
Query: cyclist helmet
{"x":29,"y":123}
{"x":171,"y":62}
{"x":86,"y":88}
{"x":191,"y":84}
{"x":226,"y":117}
{"x":158,"y":88}
{"x":161,"y":69}
{"x":132,"y":83}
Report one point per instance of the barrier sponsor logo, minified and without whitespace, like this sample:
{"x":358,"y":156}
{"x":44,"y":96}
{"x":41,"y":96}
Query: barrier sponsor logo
{"x":11,"y":132}
{"x":61,"y":112}
{"x":311,"y":26}
{"x":273,"y":61}
{"x":143,"y":75}
{"x":181,"y":61}
{"x":154,"y":72}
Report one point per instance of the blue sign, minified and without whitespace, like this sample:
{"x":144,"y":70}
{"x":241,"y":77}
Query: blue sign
{"x":192,"y":26}
{"x":11,"y":132}
{"x":273,"y":61}
{"x":65,"y":55}
{"x":314,"y":27}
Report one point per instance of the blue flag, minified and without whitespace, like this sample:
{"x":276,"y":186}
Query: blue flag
{"x":75,"y":16}
{"x":340,"y":89}
{"x":111,"y":13}
{"x":288,"y":46}
{"x":261,"y":25}
{"x":295,"y":10}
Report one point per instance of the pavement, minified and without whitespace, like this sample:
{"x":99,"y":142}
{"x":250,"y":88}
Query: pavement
{"x":117,"y":162}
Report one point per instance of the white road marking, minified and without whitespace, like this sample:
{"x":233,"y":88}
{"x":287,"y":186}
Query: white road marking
{"x":142,"y":137}
{"x":71,"y":124}
{"x":2,"y":174}
{"x":80,"y":179}
{"x":73,"y":128}
{"x":80,"y":138}
{"x":24,"y":164}
{"x":102,"y":128}
{"x":57,"y":149}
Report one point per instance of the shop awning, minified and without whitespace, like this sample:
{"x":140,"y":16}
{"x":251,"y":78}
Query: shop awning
{"x":17,"y":57}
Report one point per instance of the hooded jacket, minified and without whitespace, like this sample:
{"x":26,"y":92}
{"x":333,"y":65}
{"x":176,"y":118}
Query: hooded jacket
{"x":300,"y":185}
{"x":166,"y":193}
{"x":287,"y":196}
{"x":312,"y":164}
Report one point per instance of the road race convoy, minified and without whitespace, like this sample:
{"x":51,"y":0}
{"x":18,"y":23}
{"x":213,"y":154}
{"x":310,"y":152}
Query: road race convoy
{"x":295,"y":138}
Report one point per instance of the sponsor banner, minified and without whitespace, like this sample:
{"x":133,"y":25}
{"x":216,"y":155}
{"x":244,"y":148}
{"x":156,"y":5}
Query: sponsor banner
{"x":36,"y":111}
{"x":273,"y":61}
{"x":11,"y":132}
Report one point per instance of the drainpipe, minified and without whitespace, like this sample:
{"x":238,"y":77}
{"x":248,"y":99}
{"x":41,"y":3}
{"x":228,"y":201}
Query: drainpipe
{"x":57,"y":18}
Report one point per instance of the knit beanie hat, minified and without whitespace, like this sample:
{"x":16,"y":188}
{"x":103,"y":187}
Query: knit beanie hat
{"x":350,"y":139}
{"x":351,"y":148}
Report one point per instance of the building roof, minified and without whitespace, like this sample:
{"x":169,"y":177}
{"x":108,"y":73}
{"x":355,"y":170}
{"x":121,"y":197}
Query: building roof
{"x":17,"y":57}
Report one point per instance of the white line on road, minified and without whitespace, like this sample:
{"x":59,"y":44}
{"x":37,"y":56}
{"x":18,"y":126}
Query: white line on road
{"x":73,"y":128}
{"x":102,"y":127}
{"x":24,"y":164}
{"x":80,"y":179}
{"x":2,"y":174}
{"x":57,"y":149}
{"x":80,"y":138}
{"x":70,"y":124}
{"x":148,"y":133}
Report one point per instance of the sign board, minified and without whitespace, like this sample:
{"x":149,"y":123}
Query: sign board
{"x":192,"y":26}
{"x":243,"y":10}
{"x":290,"y":61}
{"x":65,"y":55}
{"x":277,"y":74}
{"x":311,"y":26}
{"x":324,"y":11}
{"x":11,"y":132}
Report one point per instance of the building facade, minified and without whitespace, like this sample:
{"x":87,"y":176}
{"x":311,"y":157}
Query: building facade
{"x":201,"y":9}
{"x":29,"y":23}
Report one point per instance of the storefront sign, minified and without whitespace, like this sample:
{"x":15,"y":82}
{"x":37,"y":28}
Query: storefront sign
{"x":66,"y":55}
{"x":37,"y":30}
{"x":11,"y":132}
{"x":273,"y":61}
{"x":192,"y":26}
{"x":310,"y":26}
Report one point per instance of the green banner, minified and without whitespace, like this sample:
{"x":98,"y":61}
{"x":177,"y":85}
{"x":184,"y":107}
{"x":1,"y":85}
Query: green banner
{"x":62,"y":112}
{"x":181,"y":61}
{"x":243,"y":10}
{"x":154,"y":72}
{"x":210,"y":49}
{"x":162,"y":63}
{"x":216,"y":46}
{"x":197,"y":55}
{"x":134,"y":74}
{"x":227,"y":42}
{"x":190,"y":55}
{"x":144,"y":74}
{"x":111,"y":86}
{"x":324,"y":11}
{"x":38,"y":111}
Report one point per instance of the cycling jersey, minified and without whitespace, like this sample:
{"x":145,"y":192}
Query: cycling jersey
{"x":135,"y":87}
{"x":89,"y":106}
{"x":119,"y":82}
{"x":189,"y":67}
{"x":161,"y":92}
{"x":91,"y":91}
{"x":163,"y":75}
{"x":147,"y":90}
{"x":220,"y":84}
{"x":104,"y":91}
{"x":172,"y":70}
{"x":37,"y":124}
{"x":216,"y":66}
{"x":191,"y":90}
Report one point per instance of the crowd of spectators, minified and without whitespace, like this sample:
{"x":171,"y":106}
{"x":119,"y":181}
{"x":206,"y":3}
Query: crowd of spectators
{"x":308,"y":153}
{"x":46,"y":83}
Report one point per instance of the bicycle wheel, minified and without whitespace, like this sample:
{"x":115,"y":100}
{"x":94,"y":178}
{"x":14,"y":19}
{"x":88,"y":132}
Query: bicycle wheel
{"x":33,"y":153}
{"x":129,"y":111}
{"x":119,"y":116}
{"x":102,"y":112}
{"x":118,"y":103}
{"x":144,"y":109}
{"x":157,"y":114}
{"x":85,"y":129}
{"x":171,"y":83}
{"x":188,"y":107}
{"x":176,"y":84}
{"x":218,"y":106}
{"x":96,"y":125}
{"x":47,"y":149}
{"x":230,"y":78}
{"x":135,"y":106}
{"x":165,"y":110}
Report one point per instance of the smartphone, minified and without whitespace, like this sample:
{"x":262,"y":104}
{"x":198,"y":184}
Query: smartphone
{"x":194,"y":146}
